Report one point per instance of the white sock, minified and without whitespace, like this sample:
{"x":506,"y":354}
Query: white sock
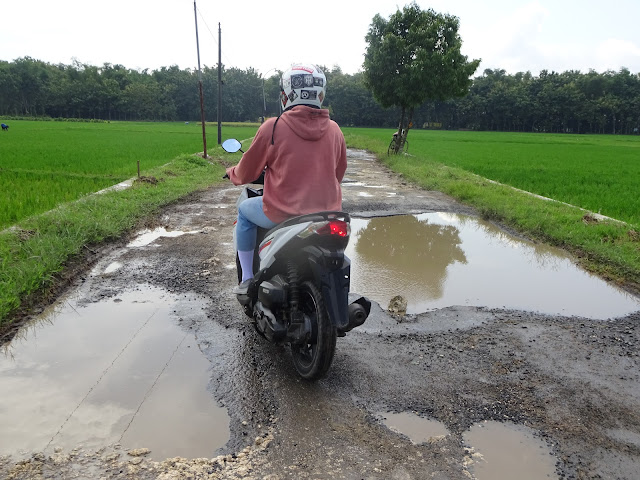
{"x":246,"y":263}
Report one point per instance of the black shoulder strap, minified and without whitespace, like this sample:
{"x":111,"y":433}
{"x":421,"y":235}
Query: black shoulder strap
{"x":274,"y":128}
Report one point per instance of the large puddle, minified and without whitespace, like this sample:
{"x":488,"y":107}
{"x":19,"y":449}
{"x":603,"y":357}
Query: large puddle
{"x":437,"y":260}
{"x":499,"y":451}
{"x":118,"y":371}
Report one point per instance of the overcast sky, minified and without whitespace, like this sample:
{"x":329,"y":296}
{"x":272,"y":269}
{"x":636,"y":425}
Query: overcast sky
{"x":515,"y":35}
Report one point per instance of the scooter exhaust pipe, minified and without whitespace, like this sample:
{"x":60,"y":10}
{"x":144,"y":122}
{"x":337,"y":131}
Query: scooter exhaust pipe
{"x":358,"y":313}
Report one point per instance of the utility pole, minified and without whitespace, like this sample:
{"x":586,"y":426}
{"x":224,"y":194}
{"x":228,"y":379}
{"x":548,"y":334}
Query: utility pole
{"x":204,"y":135}
{"x":264,"y":103}
{"x":264,"y":99}
{"x":219,"y":84}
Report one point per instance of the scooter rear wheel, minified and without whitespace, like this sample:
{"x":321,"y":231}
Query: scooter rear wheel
{"x":313,"y":358}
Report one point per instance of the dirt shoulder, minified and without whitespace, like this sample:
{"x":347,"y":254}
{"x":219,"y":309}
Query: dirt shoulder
{"x":574,"y":382}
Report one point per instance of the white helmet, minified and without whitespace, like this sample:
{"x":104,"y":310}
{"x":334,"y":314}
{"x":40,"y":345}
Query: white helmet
{"x":302,"y":84}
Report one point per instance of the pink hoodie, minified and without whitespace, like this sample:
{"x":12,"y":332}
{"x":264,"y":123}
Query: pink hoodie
{"x":305,"y":164}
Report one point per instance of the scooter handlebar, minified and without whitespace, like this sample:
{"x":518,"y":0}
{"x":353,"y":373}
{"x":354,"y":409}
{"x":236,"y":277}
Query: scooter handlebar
{"x":259,"y":180}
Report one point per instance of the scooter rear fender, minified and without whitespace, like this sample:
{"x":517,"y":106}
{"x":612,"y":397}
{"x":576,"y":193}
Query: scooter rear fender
{"x":332,"y":271}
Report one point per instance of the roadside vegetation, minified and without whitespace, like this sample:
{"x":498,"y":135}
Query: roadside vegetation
{"x":63,"y":161}
{"x":597,"y":173}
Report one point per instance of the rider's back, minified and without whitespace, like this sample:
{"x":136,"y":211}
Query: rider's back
{"x":305,"y":156}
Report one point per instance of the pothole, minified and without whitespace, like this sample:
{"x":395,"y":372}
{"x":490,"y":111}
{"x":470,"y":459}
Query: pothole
{"x":502,"y":451}
{"x":497,"y":451}
{"x":437,"y":260}
{"x":113,"y":267}
{"x":120,"y":371}
{"x":417,"y":429}
{"x":147,"y":237}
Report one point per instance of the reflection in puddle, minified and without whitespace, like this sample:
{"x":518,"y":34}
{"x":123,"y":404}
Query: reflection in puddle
{"x":118,"y":371}
{"x":505,"y":451}
{"x":418,"y":429}
{"x":147,"y":237}
{"x":436,"y":260}
{"x":500,"y":451}
{"x":113,"y":267}
{"x":361,"y":184}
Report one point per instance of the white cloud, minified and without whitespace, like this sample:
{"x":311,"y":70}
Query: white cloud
{"x":510,"y":41}
{"x":614,"y":53}
{"x":515,"y":35}
{"x":552,"y":35}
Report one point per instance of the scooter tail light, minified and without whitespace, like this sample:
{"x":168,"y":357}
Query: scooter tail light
{"x":339,"y":228}
{"x":336,"y":227}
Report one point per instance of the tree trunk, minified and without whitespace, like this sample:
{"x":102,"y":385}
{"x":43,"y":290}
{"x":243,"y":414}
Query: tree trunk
{"x":405,"y":131}
{"x":398,"y":135}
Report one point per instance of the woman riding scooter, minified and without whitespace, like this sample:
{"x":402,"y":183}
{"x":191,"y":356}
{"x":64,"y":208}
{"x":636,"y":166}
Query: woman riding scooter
{"x":304,"y":160}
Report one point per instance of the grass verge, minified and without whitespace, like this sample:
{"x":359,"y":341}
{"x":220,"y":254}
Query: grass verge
{"x":63,"y":161}
{"x":35,"y":252}
{"x":608,"y":248}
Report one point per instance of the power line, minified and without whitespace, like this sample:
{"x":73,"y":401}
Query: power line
{"x":230,"y":63}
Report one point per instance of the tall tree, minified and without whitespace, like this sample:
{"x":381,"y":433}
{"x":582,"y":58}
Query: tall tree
{"x":412,"y":57}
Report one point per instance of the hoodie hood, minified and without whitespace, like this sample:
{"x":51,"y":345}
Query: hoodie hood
{"x":306,"y":122}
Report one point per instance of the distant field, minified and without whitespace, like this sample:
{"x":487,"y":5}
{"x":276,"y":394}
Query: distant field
{"x":600,"y":173}
{"x":43,"y":164}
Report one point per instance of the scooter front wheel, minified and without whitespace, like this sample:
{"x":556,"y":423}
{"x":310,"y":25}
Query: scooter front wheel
{"x":313,"y":358}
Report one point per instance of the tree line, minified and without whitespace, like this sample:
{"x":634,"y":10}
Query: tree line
{"x":569,"y":102}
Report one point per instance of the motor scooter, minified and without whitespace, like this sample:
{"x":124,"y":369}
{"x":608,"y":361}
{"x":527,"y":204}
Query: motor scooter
{"x":300,"y":291}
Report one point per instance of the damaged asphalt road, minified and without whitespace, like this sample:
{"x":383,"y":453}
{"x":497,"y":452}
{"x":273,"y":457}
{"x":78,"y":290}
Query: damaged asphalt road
{"x":574,"y":382}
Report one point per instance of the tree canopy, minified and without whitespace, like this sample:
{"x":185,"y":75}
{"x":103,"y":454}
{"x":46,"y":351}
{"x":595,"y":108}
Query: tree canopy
{"x":414,"y":56}
{"x":567,"y":102}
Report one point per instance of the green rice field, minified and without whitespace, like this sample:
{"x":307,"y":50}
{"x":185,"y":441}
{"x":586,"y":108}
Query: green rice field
{"x":600,"y":173}
{"x":43,"y":164}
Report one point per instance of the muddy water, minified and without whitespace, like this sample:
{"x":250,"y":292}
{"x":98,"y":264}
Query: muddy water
{"x":504,"y":451}
{"x":499,"y":451}
{"x":437,"y":260}
{"x":417,"y":429}
{"x":147,"y":237}
{"x":122,"y":370}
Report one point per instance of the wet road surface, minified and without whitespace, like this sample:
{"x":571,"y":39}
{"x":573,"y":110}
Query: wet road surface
{"x":149,"y":350}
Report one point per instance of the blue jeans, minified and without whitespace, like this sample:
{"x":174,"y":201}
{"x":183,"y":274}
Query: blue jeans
{"x":250,"y":217}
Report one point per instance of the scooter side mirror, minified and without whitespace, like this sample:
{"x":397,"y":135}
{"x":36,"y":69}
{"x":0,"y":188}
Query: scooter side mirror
{"x":232,"y":145}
